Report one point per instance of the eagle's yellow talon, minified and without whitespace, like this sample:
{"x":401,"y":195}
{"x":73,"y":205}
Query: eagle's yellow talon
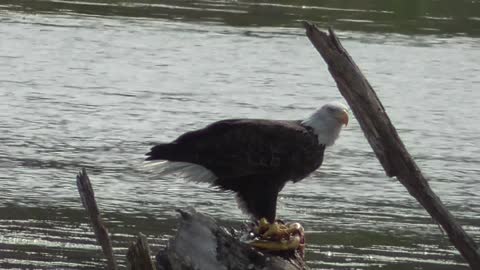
{"x":263,"y":226}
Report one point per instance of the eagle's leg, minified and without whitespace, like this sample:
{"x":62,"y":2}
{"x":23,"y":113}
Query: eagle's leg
{"x":279,"y":237}
{"x":260,"y":199}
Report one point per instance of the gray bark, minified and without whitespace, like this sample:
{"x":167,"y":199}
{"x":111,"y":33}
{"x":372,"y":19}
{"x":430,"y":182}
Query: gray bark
{"x":384,"y":139}
{"x":101,"y":233}
{"x":138,"y":255}
{"x":202,"y":244}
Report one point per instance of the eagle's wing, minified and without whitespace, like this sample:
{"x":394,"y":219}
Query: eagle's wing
{"x":233,"y":148}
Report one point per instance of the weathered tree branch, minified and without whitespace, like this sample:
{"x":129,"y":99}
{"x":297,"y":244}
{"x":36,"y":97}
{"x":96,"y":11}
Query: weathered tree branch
{"x":384,"y":139}
{"x":101,"y":233}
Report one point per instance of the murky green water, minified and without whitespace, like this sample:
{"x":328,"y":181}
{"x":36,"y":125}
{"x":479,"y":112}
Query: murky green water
{"x":94,"y":84}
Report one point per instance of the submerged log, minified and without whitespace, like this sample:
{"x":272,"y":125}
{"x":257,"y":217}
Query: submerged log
{"x":201,"y":244}
{"x":384,"y":139}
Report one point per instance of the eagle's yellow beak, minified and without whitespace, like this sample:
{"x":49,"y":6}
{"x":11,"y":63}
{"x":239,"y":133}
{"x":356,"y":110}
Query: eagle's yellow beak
{"x":344,"y":118}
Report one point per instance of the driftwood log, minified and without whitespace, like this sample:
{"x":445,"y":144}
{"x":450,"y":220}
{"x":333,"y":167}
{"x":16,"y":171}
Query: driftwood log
{"x":199,"y":244}
{"x":202,"y":244}
{"x":384,"y":139}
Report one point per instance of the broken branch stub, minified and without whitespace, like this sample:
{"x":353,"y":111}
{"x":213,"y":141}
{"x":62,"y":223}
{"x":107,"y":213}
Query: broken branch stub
{"x":138,"y":255}
{"x":101,"y":233}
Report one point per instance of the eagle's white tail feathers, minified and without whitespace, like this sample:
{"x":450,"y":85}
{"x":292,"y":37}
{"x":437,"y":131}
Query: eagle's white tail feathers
{"x":188,"y":171}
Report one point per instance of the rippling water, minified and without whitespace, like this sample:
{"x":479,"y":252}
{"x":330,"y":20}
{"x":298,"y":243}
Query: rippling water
{"x":78,"y":90}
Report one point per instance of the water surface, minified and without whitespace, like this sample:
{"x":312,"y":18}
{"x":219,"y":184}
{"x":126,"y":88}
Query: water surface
{"x":94,"y":85}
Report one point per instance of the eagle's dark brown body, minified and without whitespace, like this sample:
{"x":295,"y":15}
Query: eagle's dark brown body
{"x":254,"y":158}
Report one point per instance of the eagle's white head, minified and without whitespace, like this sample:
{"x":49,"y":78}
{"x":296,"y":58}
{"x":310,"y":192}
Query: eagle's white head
{"x":327,"y":122}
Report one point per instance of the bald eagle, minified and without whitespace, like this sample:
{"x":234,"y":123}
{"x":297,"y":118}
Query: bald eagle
{"x":254,"y":158}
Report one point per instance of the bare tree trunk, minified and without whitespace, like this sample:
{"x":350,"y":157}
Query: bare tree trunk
{"x":384,"y":139}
